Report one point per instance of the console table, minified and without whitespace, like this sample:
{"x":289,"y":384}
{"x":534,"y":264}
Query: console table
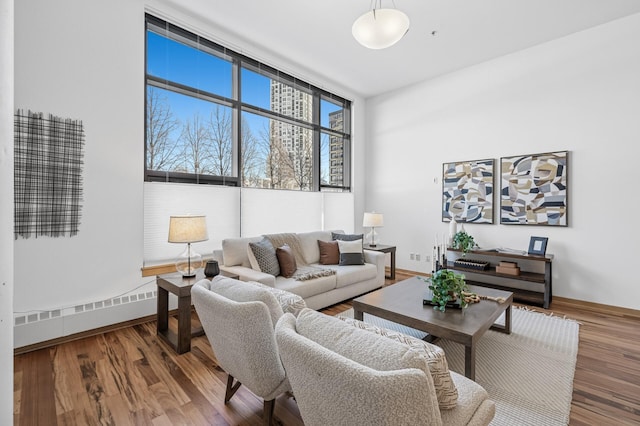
{"x":176,"y":284}
{"x":533,"y":285}
{"x":385,"y":249}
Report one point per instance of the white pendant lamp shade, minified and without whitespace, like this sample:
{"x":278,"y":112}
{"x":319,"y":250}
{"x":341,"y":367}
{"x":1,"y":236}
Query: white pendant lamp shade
{"x":380,"y":28}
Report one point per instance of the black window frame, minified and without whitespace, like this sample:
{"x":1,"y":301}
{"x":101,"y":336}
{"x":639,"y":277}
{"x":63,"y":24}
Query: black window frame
{"x":240,"y":61}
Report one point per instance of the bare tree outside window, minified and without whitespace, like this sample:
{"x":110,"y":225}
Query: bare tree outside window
{"x":250,"y":156}
{"x":196,"y":145}
{"x":275,"y":158}
{"x":162,"y":153}
{"x":221,"y":140}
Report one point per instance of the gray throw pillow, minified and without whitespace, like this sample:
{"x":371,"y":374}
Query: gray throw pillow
{"x":265,"y":255}
{"x":351,"y":252}
{"x":345,"y":237}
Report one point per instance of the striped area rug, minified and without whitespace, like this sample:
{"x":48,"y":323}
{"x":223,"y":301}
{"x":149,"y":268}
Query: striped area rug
{"x":529,"y":373}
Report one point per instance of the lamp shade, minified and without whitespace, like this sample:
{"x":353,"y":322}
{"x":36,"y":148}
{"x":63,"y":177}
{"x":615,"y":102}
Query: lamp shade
{"x":373,"y":219}
{"x":187,"y":229}
{"x":380,"y":28}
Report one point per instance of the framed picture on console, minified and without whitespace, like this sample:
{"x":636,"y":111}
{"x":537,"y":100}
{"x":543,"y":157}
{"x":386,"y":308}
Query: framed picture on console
{"x":467,"y":191}
{"x":538,"y":246}
{"x":533,"y":189}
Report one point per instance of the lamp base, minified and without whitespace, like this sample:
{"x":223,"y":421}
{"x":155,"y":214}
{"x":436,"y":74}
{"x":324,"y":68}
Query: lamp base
{"x":188,"y":262}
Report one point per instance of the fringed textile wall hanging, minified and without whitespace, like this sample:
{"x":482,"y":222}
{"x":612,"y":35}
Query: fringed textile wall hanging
{"x":48,"y":158}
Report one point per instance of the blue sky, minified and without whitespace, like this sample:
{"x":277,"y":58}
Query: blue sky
{"x":168,"y":59}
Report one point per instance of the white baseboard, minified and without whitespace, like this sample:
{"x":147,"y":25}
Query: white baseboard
{"x":42,"y":326}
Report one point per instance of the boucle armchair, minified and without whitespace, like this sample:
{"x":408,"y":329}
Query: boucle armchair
{"x":383,"y":382}
{"x":238,"y":319}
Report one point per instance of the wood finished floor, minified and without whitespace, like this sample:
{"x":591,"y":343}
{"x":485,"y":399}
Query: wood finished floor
{"x":130,"y":377}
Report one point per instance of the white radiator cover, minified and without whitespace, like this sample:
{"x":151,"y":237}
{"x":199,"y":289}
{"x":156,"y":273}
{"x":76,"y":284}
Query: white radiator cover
{"x":38,"y":327}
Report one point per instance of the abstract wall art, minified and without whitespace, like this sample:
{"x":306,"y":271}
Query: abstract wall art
{"x":533,"y":189}
{"x":467,"y":191}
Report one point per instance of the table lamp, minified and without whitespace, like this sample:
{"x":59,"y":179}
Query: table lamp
{"x":188,"y":229}
{"x":373,"y":220}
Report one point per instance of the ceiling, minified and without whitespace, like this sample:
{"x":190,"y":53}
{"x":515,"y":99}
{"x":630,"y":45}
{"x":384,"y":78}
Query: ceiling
{"x":316,"y":34}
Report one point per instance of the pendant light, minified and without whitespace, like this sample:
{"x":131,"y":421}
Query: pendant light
{"x":380,"y":28}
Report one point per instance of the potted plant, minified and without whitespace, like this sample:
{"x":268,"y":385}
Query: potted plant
{"x":447,"y":286}
{"x":463,"y":241}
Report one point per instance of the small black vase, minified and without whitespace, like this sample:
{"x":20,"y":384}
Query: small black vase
{"x":211,"y":269}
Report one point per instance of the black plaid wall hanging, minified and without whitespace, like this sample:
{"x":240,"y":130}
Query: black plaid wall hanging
{"x":48,"y":160}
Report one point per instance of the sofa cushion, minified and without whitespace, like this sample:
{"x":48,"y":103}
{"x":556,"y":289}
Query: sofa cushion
{"x":309,"y":244}
{"x":266,"y":259}
{"x":240,"y":291}
{"x":307,"y":288}
{"x":446,"y":390}
{"x":234,"y":251}
{"x":286,"y":260}
{"x":329,"y":252}
{"x":288,"y":301}
{"x":351,"y":252}
{"x":351,"y":274}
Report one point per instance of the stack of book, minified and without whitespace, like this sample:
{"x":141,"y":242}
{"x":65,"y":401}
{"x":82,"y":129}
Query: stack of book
{"x":508,"y":268}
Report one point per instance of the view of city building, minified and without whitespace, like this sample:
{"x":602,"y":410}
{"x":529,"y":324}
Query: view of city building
{"x":336,"y":149}
{"x":295,"y":142}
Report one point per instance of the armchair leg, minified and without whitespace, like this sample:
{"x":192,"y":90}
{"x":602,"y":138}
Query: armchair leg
{"x":231,"y":388}
{"x":269,"y":407}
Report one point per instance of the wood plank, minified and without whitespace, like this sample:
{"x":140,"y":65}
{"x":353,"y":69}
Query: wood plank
{"x":37,"y":399}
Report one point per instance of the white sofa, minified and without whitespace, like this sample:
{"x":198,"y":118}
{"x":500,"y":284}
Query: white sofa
{"x":348,"y":282}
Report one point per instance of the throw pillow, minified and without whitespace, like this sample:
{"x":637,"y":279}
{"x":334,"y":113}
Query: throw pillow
{"x":446,"y":390}
{"x":265,"y":257}
{"x":289,"y":302}
{"x":329,"y":252}
{"x":345,"y":237}
{"x":351,"y":252}
{"x":240,"y":291}
{"x":286,"y":260}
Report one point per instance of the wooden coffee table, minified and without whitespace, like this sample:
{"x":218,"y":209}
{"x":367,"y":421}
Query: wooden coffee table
{"x":402,"y":303}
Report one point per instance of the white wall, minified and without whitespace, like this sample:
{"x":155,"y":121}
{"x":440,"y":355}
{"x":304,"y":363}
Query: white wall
{"x":580,"y":93}
{"x":85,"y":60}
{"x":6,"y":211}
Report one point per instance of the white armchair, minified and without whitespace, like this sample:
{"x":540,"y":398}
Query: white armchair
{"x":238,"y":319}
{"x":388,"y":382}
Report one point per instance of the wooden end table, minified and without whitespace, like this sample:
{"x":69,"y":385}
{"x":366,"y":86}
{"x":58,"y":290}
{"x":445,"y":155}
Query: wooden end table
{"x":385,"y":249}
{"x":176,"y":284}
{"x":402,"y":303}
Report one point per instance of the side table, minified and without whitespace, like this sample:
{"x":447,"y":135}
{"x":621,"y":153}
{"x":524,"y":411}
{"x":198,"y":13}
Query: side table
{"x":174,"y":283}
{"x":385,"y":249}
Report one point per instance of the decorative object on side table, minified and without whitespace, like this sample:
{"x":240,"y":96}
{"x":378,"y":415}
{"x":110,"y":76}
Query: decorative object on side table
{"x":447,"y":288}
{"x":471,"y":264}
{"x":188,"y":229}
{"x":373,"y":220}
{"x":453,"y":228}
{"x":463,"y":241}
{"x":211,"y":268}
{"x":538,"y":246}
{"x":508,"y":268}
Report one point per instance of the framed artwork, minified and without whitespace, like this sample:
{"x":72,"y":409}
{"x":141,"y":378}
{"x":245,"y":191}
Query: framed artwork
{"x":538,"y":245}
{"x":533,"y":189}
{"x":467,"y":191}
